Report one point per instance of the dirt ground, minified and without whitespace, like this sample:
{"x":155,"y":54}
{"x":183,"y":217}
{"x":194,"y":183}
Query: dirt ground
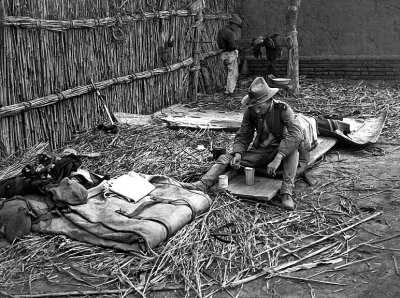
{"x":376,"y":188}
{"x":365,"y":180}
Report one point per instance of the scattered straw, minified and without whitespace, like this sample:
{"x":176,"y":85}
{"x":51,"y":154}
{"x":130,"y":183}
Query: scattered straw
{"x":234,"y":242}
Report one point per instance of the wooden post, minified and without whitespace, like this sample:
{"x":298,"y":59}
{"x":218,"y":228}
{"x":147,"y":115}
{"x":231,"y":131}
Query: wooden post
{"x":205,"y":74}
{"x":293,"y":46}
{"x":3,"y":149}
{"x":2,"y":20}
{"x":2,"y":35}
{"x":197,"y":7}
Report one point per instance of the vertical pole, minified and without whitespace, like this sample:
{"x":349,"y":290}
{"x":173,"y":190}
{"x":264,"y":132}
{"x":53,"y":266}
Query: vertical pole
{"x":3,"y":149}
{"x":2,"y":35}
{"x":194,"y":76}
{"x":2,"y":17}
{"x":293,"y":46}
{"x":2,"y":45}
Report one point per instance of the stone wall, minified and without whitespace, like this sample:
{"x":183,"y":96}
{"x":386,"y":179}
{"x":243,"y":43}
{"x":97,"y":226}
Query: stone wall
{"x":350,"y":38}
{"x":331,"y":27}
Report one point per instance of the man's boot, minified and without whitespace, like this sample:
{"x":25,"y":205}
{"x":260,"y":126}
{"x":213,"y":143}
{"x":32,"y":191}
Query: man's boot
{"x":208,"y":179}
{"x":287,"y":201}
{"x":198,"y":185}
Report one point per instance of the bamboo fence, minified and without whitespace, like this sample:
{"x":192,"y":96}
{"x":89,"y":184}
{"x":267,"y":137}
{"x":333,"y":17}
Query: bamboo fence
{"x":52,"y":49}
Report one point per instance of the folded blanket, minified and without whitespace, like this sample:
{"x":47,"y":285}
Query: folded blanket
{"x":114,"y":222}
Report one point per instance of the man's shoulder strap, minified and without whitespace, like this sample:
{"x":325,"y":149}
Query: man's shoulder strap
{"x":280,"y":105}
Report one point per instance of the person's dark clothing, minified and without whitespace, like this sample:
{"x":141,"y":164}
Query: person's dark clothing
{"x":226,"y":38}
{"x":274,"y":50}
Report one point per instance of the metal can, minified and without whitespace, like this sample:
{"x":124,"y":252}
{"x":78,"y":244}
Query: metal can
{"x":249,"y":172}
{"x":223,"y":181}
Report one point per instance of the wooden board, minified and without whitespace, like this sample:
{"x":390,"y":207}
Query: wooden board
{"x":266,"y":188}
{"x":133,"y":119}
{"x":179,"y":116}
{"x":324,"y":144}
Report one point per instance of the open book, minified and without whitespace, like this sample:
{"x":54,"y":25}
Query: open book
{"x":131,"y":186}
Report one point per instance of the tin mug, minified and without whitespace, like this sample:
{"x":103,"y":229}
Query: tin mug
{"x":223,"y":181}
{"x":249,"y":172}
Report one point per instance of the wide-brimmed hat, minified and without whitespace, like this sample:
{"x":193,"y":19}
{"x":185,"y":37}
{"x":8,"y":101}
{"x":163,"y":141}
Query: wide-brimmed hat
{"x":259,"y":92}
{"x":235,"y":19}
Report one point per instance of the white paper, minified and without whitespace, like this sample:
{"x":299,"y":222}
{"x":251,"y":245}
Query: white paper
{"x":132,"y":186}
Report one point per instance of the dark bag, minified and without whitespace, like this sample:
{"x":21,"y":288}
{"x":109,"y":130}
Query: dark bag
{"x":20,"y":185}
{"x":68,"y":192}
{"x":15,"y":219}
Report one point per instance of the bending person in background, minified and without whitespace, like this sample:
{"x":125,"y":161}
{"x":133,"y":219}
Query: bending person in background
{"x":227,"y":40}
{"x":273,"y":48}
{"x":278,"y":141}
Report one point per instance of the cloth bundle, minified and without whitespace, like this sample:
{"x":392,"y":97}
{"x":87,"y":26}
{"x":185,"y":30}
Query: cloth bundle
{"x":309,"y":129}
{"x":17,"y":214}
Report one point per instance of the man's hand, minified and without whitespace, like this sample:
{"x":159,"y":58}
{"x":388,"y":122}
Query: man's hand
{"x":235,"y":162}
{"x":224,"y":159}
{"x":273,"y":166}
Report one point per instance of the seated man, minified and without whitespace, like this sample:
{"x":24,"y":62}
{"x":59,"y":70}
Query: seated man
{"x":278,"y":141}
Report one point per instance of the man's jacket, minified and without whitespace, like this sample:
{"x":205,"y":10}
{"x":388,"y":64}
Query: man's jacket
{"x":227,"y":38}
{"x":281,"y":123}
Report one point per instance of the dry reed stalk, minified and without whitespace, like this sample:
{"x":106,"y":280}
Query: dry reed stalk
{"x":340,"y":231}
{"x":355,"y":262}
{"x":310,"y":280}
{"x":273,"y":270}
{"x":16,"y":167}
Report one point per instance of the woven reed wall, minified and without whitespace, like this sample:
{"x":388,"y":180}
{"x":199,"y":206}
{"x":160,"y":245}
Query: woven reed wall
{"x":53,"y":48}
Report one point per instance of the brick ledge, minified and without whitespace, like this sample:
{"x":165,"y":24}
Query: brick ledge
{"x":337,"y":57}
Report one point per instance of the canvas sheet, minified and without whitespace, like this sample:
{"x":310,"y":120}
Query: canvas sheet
{"x":105,"y":222}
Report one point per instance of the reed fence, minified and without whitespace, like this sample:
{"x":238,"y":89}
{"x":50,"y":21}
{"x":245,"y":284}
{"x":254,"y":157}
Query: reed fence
{"x":143,"y":55}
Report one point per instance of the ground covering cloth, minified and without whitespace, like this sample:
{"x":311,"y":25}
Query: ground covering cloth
{"x":114,"y":222}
